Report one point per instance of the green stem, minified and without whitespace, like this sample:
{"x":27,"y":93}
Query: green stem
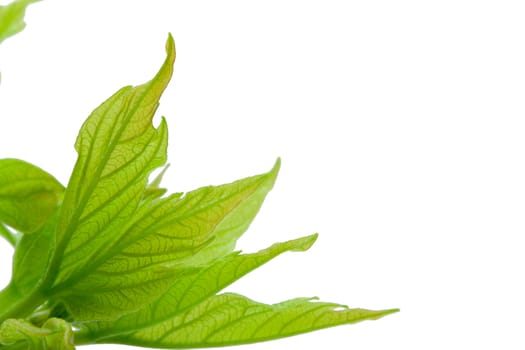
{"x":15,"y":305}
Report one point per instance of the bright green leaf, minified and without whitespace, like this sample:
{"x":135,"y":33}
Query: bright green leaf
{"x":117,"y":149}
{"x":30,"y":264}
{"x":164,"y":236}
{"x":125,"y":264}
{"x":12,"y":18}
{"x":195,"y":285}
{"x":237,"y":222}
{"x":28,"y":195}
{"x":231,"y":319}
{"x":31,"y":259}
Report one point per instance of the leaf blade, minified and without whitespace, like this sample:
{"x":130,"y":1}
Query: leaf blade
{"x":234,"y":225}
{"x":231,"y":319}
{"x":117,"y":149}
{"x":12,"y":18}
{"x":28,"y":195}
{"x":30,"y":264}
{"x":164,"y":235}
{"x":195,"y":285}
{"x":32,"y":257}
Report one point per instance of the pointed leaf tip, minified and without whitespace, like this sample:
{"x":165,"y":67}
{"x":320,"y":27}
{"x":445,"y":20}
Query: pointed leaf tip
{"x":391,"y":311}
{"x":277,"y":164}
{"x":118,"y":147}
{"x":170,"y":48}
{"x":231,"y":319}
{"x":304,"y":243}
{"x":383,"y":313}
{"x":272,"y":174}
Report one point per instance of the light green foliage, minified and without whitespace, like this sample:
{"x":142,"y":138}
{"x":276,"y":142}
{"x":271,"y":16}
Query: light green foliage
{"x":12,"y":18}
{"x":115,"y":157}
{"x":113,"y":259}
{"x":28,"y":195}
{"x":231,"y":319}
{"x":193,"y":286}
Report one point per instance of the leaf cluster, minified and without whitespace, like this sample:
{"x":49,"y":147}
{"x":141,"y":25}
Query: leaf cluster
{"x":114,"y":258}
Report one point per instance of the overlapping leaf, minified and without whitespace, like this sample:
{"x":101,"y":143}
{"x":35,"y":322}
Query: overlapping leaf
{"x":190,"y":315}
{"x":127,"y":265}
{"x":28,"y":195}
{"x":163,"y":236}
{"x":117,"y":149}
{"x":119,"y":247}
{"x":231,"y":319}
{"x":193,"y":286}
{"x":32,"y":257}
{"x":30,"y":264}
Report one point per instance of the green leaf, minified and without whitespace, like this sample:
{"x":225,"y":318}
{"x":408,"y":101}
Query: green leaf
{"x":193,"y":286}
{"x":163,"y":237}
{"x":123,"y":263}
{"x":28,"y":195}
{"x":228,"y":231}
{"x":30,"y":264}
{"x":12,"y":18}
{"x":231,"y":319}
{"x":194,"y":228}
{"x":32,"y":258}
{"x":55,"y":334}
{"x":117,"y":149}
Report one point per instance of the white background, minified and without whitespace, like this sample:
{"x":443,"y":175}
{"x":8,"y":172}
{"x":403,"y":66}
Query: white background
{"x":400,"y":125}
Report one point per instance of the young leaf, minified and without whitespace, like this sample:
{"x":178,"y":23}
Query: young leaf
{"x":228,"y":231}
{"x":28,"y":195}
{"x":30,"y":263}
{"x":193,"y":286}
{"x":12,"y":18}
{"x":231,"y":319}
{"x":117,"y":250}
{"x":125,"y":264}
{"x":117,"y":149}
{"x":55,"y":334}
{"x":31,"y":258}
{"x":163,"y":237}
